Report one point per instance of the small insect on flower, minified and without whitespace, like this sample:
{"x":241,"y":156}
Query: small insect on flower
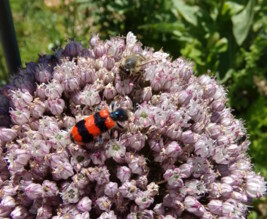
{"x":131,"y":65}
{"x":92,"y":126}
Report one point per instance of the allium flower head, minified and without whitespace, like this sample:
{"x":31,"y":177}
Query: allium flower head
{"x":180,"y":154}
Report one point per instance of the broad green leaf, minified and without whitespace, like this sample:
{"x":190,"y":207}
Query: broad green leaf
{"x":232,"y":7}
{"x":189,"y":13}
{"x":242,"y":22}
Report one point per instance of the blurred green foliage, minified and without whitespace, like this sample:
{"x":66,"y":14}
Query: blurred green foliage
{"x":229,"y":38}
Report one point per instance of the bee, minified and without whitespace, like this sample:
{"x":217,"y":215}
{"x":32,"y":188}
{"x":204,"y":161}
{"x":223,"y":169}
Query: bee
{"x":94,"y":125}
{"x":130,"y":66}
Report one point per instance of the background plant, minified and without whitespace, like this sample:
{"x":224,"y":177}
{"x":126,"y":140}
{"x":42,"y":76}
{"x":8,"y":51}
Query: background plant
{"x":227,"y":37}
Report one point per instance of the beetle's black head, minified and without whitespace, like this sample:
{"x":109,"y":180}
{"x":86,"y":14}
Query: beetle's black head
{"x":119,"y":115}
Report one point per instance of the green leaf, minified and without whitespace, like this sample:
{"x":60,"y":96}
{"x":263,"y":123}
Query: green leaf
{"x":231,"y":7}
{"x":221,"y":45}
{"x":242,"y":22}
{"x":188,"y":12}
{"x":163,"y":27}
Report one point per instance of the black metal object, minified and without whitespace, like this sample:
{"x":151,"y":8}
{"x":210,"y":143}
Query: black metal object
{"x":8,"y":38}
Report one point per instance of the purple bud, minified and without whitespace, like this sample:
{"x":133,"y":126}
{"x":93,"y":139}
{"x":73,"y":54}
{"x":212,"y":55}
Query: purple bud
{"x":173,"y":178}
{"x":7,"y":135}
{"x":143,"y":200}
{"x":255,"y":185}
{"x":8,"y":202}
{"x":94,"y":40}
{"x":152,"y":189}
{"x":184,"y":97}
{"x":20,"y":116}
{"x":19,"y":212}
{"x":129,"y":190}
{"x":56,"y":106}
{"x":85,"y":204}
{"x":106,"y":215}
{"x":218,"y":105}
{"x":173,"y":149}
{"x":71,"y":84}
{"x":123,"y":173}
{"x":73,"y":49}
{"x":186,"y":170}
{"x":111,"y":189}
{"x":193,"y":206}
{"x":215,"y":207}
{"x":53,"y":90}
{"x":21,"y":98}
{"x":69,"y":122}
{"x":99,"y":50}
{"x":49,"y":188}
{"x":38,"y":108}
{"x":88,"y":75}
{"x":188,"y":137}
{"x":138,"y":165}
{"x":146,"y":94}
{"x":104,"y":203}
{"x":44,"y":212}
{"x":4,"y":211}
{"x":213,"y":130}
{"x":43,"y":73}
{"x":141,"y":182}
{"x":34,"y":191}
{"x":124,"y":87}
{"x":110,"y":91}
{"x":108,"y":62}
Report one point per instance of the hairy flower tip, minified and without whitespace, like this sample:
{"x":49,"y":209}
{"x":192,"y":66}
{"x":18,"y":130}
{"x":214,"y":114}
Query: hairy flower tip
{"x":73,"y":49}
{"x":180,"y":154}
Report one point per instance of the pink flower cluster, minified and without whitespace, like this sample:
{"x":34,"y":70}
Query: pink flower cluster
{"x":181,"y":154}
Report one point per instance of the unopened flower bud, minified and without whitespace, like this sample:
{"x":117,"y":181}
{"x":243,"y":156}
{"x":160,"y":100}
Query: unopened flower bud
{"x":215,"y":206}
{"x":53,"y":90}
{"x":193,"y":206}
{"x":94,"y":40}
{"x":56,"y":106}
{"x":104,"y":203}
{"x":73,"y":49}
{"x":21,"y":98}
{"x":85,"y":204}
{"x":20,"y":116}
{"x":106,"y":215}
{"x":99,"y":50}
{"x":188,"y":137}
{"x":255,"y":185}
{"x":38,"y":108}
{"x":184,"y":97}
{"x":123,"y":173}
{"x":34,"y":191}
{"x":110,"y":92}
{"x":143,"y":200}
{"x":44,"y":212}
{"x":111,"y":189}
{"x":19,"y":212}
{"x":50,"y":188}
{"x":7,"y":135}
{"x":146,"y":94}
{"x":71,"y":84}
{"x":43,"y":73}
{"x":8,"y":201}
{"x":173,"y":149}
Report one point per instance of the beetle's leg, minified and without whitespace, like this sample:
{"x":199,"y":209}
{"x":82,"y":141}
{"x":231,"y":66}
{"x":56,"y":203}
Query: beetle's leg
{"x":111,"y":133}
{"x":120,"y":126}
{"x":100,"y":139}
{"x":112,"y":106}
